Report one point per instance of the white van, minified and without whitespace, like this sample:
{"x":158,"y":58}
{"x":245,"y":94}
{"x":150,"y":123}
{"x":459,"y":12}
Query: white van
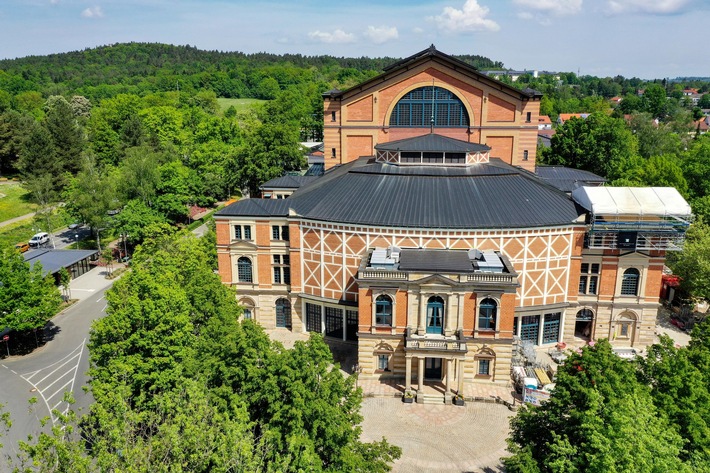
{"x":39,"y":239}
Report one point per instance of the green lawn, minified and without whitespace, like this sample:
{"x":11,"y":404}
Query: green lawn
{"x":14,"y":201}
{"x":10,"y":235}
{"x":239,"y":104}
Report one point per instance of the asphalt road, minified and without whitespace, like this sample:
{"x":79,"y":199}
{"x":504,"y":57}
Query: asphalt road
{"x":58,"y":367}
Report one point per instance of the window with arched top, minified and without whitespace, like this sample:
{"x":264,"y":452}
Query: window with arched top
{"x":630,"y":282}
{"x":435,"y":315}
{"x":424,"y":105}
{"x":383,"y":310}
{"x":487,"y":311}
{"x":244,"y":269}
{"x":283,"y":312}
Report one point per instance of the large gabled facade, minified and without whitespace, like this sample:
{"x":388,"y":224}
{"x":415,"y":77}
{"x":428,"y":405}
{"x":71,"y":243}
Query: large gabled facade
{"x":434,"y":254}
{"x":467,"y":105}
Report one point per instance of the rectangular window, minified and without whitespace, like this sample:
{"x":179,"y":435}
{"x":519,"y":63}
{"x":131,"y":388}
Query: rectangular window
{"x":332,"y":153}
{"x":410,"y":157}
{"x":383,"y":362}
{"x":551,"y":328}
{"x":247,"y":314}
{"x":484,"y":367}
{"x":313,"y":315}
{"x":247,"y":232}
{"x":282,"y":272}
{"x":529,"y":328}
{"x":284,"y":232}
{"x":589,"y":278}
{"x":352,"y":321}
{"x":332,"y":116}
{"x":431,"y":157}
{"x":528,"y":117}
{"x":237,"y":232}
{"x":525,"y":155}
{"x":334,"y":322}
{"x":624,"y":330}
{"x":275,"y":232}
{"x":455,"y":158}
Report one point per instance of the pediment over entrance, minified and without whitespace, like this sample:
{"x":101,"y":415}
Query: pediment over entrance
{"x":435,"y":280}
{"x":242,"y":245}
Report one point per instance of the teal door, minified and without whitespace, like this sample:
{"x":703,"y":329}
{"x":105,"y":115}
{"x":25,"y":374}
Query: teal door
{"x":435,"y":315}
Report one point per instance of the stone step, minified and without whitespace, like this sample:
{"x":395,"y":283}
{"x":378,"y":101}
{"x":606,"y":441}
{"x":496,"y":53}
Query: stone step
{"x":432,"y":399}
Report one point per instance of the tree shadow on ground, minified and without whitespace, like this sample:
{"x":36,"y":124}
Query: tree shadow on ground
{"x":24,"y":343}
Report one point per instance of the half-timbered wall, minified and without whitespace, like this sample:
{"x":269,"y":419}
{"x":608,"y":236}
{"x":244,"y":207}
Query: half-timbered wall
{"x":331,"y":254}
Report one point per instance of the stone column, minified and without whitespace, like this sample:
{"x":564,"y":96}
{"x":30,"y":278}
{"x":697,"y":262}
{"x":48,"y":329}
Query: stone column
{"x":421,"y":329}
{"x":448,"y":315}
{"x":449,"y":375}
{"x":408,"y":373}
{"x":420,"y":374}
{"x":460,"y":380}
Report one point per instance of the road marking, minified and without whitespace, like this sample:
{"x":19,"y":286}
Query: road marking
{"x":73,"y":359}
{"x":79,"y":289}
{"x":104,"y":309}
{"x":99,"y":299}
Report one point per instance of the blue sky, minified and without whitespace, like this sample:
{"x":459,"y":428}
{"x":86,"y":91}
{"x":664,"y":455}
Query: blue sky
{"x":642,"y":38}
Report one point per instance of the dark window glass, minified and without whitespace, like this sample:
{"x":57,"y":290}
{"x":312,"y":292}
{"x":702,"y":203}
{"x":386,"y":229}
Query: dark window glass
{"x":410,"y":157}
{"x":415,"y":109}
{"x":433,"y":157}
{"x":313,"y":315}
{"x":247,"y":232}
{"x":352,"y":321}
{"x":284,"y":232}
{"x":487,"y":315}
{"x":383,"y":310}
{"x":277,"y":275}
{"x":275,"y":232}
{"x":484,"y":367}
{"x":283,"y":313}
{"x":455,"y":158}
{"x":334,"y":322}
{"x":630,"y":282}
{"x":551,"y":328}
{"x":244,"y":269}
{"x":237,"y":232}
{"x":529,"y":328}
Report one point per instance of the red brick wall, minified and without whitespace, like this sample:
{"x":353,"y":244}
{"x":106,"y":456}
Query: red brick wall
{"x":501,"y":147}
{"x":500,"y":110}
{"x":360,"y":110}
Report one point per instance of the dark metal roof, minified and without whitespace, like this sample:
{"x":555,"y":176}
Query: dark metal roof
{"x":492,"y":195}
{"x":287,"y":182}
{"x":256,"y":208}
{"x":455,"y":261}
{"x":316,"y":169}
{"x":432,"y":142}
{"x":568,"y":179}
{"x":53,"y":260}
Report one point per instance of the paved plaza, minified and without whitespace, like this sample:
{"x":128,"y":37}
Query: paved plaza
{"x":439,"y":438}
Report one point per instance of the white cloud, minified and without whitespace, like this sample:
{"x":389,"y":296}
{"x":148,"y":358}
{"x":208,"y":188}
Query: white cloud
{"x":471,"y":18}
{"x":553,"y":7}
{"x":661,"y":7}
{"x":381,"y":34}
{"x":93,"y":12}
{"x":337,"y":36}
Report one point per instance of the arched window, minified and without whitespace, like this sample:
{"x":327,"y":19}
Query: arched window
{"x":435,"y":315}
{"x":283,"y":313}
{"x":487,"y":314}
{"x":247,"y":309}
{"x":244,"y":269}
{"x":415,"y":109}
{"x":630,"y":282}
{"x":383,"y":310}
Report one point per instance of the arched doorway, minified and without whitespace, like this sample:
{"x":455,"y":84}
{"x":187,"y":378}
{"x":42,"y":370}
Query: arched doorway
{"x":283,"y":313}
{"x":584,"y":324}
{"x":435,"y":315}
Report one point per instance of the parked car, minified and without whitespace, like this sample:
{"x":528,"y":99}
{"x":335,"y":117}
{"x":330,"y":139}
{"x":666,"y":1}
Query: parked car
{"x":39,"y":239}
{"x":22,"y":247}
{"x":74,"y":226}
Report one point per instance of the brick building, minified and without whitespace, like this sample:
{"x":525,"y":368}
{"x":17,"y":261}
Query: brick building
{"x":433,"y":247}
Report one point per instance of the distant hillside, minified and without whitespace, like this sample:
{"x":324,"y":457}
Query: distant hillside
{"x":153,"y":67}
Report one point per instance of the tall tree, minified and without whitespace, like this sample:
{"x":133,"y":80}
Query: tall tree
{"x":599,"y":418}
{"x":597,"y":144}
{"x":67,"y":136}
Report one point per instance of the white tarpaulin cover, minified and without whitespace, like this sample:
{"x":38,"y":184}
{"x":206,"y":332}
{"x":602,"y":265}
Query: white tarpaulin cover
{"x":661,"y":201}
